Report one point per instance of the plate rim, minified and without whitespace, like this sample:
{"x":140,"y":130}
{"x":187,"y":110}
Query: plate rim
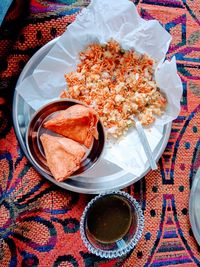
{"x":73,"y":188}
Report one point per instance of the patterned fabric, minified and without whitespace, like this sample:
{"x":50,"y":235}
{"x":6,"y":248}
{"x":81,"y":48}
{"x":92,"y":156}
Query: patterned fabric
{"x":39,"y":223}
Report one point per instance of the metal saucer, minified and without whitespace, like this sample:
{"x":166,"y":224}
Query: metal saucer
{"x":194,"y":206}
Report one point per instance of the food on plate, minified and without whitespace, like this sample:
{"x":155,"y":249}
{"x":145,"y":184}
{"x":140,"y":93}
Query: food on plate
{"x":63,"y":155}
{"x":77,"y":122}
{"x":118,"y":84}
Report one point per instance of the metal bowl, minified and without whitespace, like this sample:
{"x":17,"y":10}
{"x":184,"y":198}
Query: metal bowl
{"x":35,"y":130}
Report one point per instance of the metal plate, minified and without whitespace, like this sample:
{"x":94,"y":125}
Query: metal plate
{"x":194,"y":206}
{"x":104,"y":176}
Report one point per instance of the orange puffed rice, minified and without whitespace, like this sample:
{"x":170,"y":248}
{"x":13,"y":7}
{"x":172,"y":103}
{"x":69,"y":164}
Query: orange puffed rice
{"x":118,"y":84}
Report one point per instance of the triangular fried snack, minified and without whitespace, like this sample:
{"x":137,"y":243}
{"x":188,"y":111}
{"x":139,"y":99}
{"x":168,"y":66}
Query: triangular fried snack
{"x":77,"y":122}
{"x":63,"y":155}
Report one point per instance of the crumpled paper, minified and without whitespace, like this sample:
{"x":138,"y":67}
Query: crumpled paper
{"x":99,"y":22}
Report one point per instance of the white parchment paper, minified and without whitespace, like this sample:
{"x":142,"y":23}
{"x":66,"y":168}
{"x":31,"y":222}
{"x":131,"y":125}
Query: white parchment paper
{"x":99,"y":22}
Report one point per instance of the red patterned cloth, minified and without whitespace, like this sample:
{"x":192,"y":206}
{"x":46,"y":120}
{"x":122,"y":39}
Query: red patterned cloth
{"x":39,"y":222}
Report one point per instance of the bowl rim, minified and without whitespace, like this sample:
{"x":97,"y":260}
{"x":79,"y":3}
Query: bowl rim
{"x":136,"y":237}
{"x":45,"y":106}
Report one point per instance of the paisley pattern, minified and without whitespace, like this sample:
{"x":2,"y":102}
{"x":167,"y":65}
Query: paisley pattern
{"x":39,"y":222}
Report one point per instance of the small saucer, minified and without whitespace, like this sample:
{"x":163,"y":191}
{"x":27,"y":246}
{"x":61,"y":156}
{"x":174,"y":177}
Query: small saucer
{"x":125,"y":243}
{"x":35,"y":130}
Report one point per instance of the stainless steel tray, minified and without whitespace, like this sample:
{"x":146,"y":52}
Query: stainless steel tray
{"x":104,"y":176}
{"x":194,"y":206}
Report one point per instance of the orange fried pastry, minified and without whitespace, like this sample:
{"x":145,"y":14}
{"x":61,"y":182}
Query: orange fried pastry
{"x":77,"y":122}
{"x":63,"y":155}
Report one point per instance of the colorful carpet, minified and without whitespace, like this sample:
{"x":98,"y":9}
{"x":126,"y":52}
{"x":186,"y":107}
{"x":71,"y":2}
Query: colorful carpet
{"x":39,"y":223}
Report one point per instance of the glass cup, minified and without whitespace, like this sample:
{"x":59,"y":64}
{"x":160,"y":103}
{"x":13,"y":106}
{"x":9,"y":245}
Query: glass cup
{"x":120,"y":243}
